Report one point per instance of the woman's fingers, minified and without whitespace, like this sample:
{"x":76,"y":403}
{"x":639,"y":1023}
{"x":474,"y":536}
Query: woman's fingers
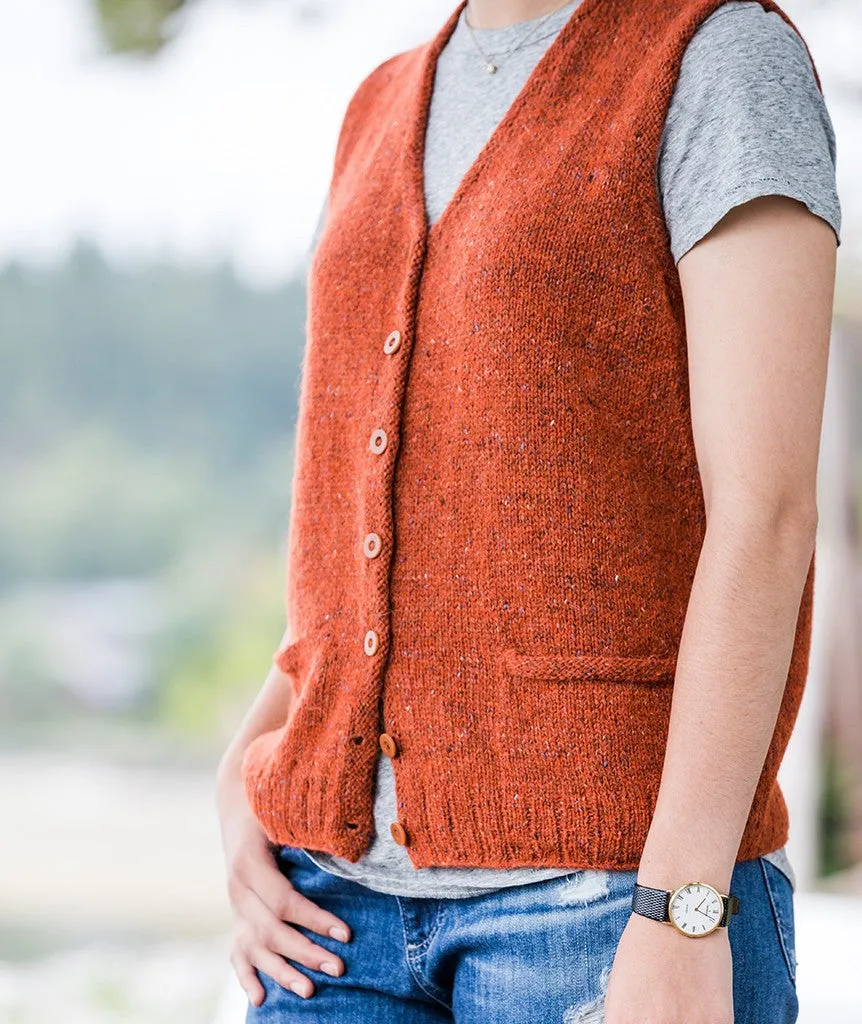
{"x":266,"y":907}
{"x":251,"y":955}
{"x":288,"y":904}
{"x":276,"y":934}
{"x":247,"y":976}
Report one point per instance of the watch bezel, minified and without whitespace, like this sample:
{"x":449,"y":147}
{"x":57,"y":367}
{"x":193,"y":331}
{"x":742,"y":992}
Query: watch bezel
{"x":694,"y":935}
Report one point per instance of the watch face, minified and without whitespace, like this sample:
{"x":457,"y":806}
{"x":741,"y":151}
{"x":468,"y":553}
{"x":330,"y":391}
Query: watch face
{"x":695,"y":909}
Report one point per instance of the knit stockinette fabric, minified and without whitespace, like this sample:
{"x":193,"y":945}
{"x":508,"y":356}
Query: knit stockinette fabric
{"x":499,"y":581}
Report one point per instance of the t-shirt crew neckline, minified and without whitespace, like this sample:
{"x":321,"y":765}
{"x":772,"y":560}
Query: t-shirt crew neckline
{"x":495,"y":41}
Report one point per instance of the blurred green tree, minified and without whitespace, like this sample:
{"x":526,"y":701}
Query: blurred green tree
{"x":141,"y":407}
{"x":145,"y":26}
{"x":136,"y":26}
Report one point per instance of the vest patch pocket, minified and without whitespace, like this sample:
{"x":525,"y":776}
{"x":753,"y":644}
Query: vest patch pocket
{"x":585,"y":668}
{"x":298,"y":661}
{"x":303,"y":660}
{"x":291,"y":658}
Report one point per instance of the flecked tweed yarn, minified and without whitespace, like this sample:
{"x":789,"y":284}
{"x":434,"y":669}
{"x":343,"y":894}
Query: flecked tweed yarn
{"x":496,"y":511}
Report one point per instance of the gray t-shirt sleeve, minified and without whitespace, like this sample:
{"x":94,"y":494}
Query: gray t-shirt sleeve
{"x":745,"y":119}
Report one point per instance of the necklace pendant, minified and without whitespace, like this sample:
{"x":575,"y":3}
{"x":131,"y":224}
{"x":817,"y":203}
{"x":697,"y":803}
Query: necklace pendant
{"x":491,"y":69}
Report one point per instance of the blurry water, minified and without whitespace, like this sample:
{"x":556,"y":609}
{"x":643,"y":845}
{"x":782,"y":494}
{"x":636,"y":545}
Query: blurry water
{"x":170,"y":982}
{"x":112,"y":903}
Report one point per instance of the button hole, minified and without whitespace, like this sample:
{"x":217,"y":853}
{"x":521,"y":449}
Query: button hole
{"x":357,"y":739}
{"x":350,"y":824}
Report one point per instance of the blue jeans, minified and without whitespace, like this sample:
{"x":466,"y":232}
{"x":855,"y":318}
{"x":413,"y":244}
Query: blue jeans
{"x":539,"y":952}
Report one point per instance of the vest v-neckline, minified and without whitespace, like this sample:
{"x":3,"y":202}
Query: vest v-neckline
{"x":421,"y":104}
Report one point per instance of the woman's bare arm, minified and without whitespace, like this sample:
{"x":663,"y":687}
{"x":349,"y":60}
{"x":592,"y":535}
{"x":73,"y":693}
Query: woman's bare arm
{"x":758,"y":298}
{"x":758,"y":293}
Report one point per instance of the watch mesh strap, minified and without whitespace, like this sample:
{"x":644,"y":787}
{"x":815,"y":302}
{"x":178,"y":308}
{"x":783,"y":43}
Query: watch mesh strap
{"x":655,"y":904}
{"x":652,"y":903}
{"x":731,"y":907}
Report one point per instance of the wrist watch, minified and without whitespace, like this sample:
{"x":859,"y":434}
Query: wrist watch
{"x":695,"y":908}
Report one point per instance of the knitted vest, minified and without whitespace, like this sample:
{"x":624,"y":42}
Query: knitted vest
{"x":496,"y":510}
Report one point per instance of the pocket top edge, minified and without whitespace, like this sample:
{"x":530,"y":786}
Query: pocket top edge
{"x":600,"y":668}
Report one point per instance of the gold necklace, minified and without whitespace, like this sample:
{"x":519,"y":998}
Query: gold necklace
{"x":490,"y":66}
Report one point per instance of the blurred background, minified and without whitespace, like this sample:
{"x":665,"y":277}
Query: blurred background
{"x":163,"y":165}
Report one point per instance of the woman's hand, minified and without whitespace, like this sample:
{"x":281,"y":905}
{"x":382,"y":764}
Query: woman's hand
{"x":662,"y":977}
{"x":265,"y":903}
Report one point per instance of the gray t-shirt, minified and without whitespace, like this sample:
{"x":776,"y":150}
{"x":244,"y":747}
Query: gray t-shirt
{"x":746,"y":119}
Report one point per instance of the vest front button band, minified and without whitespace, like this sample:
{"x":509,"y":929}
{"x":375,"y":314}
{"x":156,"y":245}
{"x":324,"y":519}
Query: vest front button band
{"x":392,"y":342}
{"x":388,"y":744}
{"x":398,"y":833}
{"x":372,"y":545}
{"x":378,"y":442}
{"x":372,"y":642}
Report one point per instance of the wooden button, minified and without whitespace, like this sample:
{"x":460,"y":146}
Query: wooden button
{"x":372,"y":545}
{"x":372,"y":642}
{"x":398,"y":833}
{"x":392,"y":342}
{"x":378,"y":442}
{"x":388,"y":745}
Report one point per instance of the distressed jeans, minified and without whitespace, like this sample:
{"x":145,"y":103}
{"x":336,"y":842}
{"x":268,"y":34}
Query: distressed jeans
{"x":538,"y":953}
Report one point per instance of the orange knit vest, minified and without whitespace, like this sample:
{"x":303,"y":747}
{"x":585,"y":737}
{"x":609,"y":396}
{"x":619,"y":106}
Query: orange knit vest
{"x":496,"y":509}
